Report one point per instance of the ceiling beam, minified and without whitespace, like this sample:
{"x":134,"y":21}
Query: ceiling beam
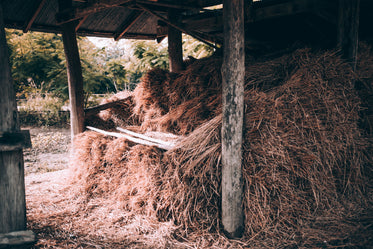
{"x":93,"y":7}
{"x":194,"y":35}
{"x":81,"y":23}
{"x":127,"y":24}
{"x":169,"y":5}
{"x":29,"y":23}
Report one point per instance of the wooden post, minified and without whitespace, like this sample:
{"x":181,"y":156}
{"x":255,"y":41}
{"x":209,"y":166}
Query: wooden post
{"x":175,"y":47}
{"x":12,"y":186}
{"x":233,"y":72}
{"x":348,"y":27}
{"x":74,"y":73}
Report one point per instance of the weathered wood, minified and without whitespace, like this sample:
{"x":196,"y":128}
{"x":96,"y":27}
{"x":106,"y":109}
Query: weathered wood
{"x":12,"y":187}
{"x":74,"y":74}
{"x":19,"y":239}
{"x":32,"y":19}
{"x":175,"y":47}
{"x":69,"y":14}
{"x":233,"y":72}
{"x":10,"y":141}
{"x":81,"y":21}
{"x":348,"y":27}
{"x":96,"y":109}
{"x":128,"y":23}
{"x":186,"y":31}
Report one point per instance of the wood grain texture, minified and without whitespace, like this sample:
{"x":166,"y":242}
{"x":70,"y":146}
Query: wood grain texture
{"x":12,"y":187}
{"x":175,"y":48}
{"x":348,"y":28}
{"x":233,"y":72}
{"x":74,"y":77}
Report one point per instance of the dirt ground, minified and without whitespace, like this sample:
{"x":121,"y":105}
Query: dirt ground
{"x":49,"y":152}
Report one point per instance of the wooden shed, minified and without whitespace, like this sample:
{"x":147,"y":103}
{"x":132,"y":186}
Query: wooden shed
{"x":231,"y":26}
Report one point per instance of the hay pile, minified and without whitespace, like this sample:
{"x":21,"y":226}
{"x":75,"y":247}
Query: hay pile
{"x":305,"y":162}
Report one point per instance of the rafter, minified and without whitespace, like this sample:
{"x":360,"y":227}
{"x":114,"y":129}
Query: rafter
{"x":93,"y":7}
{"x":80,"y":23}
{"x":29,"y":23}
{"x":193,"y":34}
{"x":127,"y":24}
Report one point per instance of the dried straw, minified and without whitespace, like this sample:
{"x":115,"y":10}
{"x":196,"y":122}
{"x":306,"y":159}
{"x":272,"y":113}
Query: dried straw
{"x":305,"y":160}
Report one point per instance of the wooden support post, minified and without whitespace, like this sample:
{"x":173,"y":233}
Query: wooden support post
{"x":175,"y":47}
{"x":233,"y":73}
{"x":348,"y":27}
{"x":74,"y":74}
{"x":12,"y":186}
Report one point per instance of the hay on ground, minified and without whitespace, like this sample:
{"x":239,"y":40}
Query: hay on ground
{"x":305,"y":160}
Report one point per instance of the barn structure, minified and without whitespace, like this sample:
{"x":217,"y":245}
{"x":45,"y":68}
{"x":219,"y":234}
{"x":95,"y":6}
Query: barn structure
{"x":231,"y":26}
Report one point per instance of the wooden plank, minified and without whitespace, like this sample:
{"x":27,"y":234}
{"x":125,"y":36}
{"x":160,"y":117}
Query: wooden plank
{"x":32,"y":19}
{"x":348,"y":27}
{"x":12,"y":187}
{"x":233,"y":74}
{"x":127,"y":24}
{"x":74,"y":75}
{"x":150,"y":139}
{"x":169,"y":146}
{"x":175,"y":47}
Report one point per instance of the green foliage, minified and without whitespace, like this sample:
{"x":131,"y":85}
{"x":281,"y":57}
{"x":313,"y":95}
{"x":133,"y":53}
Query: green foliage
{"x":150,"y":55}
{"x":195,"y":48}
{"x":43,"y":110}
{"x":38,"y":63}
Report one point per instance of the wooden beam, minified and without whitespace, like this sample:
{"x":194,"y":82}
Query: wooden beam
{"x":36,"y":13}
{"x":177,"y":27}
{"x":96,"y":109}
{"x":175,"y":44}
{"x":81,"y":23}
{"x":74,"y":74}
{"x":348,"y":26}
{"x":170,"y":5}
{"x":12,"y":186}
{"x":71,"y":14}
{"x":127,"y":24}
{"x":233,"y":75}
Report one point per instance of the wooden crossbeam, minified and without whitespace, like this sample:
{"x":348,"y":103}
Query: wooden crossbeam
{"x":81,"y":23}
{"x":73,"y":14}
{"x":170,"y":5}
{"x":32,"y":19}
{"x":176,"y":26}
{"x":127,"y":24}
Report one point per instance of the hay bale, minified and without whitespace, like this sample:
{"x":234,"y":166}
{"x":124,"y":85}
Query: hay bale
{"x":305,"y":160}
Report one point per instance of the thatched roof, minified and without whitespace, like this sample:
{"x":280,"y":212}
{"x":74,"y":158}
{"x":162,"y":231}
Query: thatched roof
{"x":146,"y":19}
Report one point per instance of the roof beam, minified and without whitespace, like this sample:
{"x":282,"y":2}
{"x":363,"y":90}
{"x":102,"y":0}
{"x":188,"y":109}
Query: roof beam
{"x":127,"y":24}
{"x":168,"y":5}
{"x":80,"y":23}
{"x":29,"y":23}
{"x":69,"y":15}
{"x":193,"y":34}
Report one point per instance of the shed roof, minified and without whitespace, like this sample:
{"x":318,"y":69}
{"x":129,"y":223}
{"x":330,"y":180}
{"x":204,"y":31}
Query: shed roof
{"x":146,"y":19}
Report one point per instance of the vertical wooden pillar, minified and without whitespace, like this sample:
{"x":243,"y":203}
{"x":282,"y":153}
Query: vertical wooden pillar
{"x":74,"y":73}
{"x":12,"y":186}
{"x":348,"y":27}
{"x":233,"y":74}
{"x":175,"y":47}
